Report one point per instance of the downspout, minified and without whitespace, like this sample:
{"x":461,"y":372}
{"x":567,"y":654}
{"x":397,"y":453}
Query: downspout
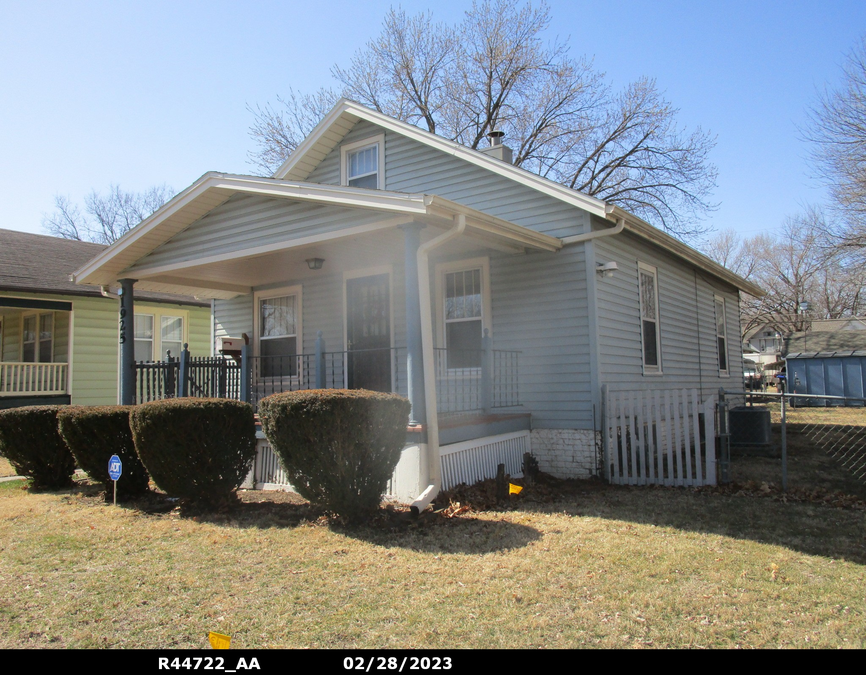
{"x":433,"y":460}
{"x":576,"y":239}
{"x":106,"y":292}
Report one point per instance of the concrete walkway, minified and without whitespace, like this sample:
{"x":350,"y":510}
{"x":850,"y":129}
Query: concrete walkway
{"x":4,"y":479}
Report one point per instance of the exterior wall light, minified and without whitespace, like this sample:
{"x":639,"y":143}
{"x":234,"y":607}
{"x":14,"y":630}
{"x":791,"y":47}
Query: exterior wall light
{"x":315,"y":263}
{"x":606,"y":269}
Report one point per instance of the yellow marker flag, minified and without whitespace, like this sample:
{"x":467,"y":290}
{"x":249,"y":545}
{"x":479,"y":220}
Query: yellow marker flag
{"x":219,"y":641}
{"x":514,"y":489}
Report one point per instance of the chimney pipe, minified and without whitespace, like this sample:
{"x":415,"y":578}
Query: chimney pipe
{"x":496,"y":137}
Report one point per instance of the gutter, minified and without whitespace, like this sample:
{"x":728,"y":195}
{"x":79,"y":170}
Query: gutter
{"x":434,"y":464}
{"x":620,"y":224}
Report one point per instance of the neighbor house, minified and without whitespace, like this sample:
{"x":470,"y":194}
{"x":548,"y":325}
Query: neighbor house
{"x":386,"y":257}
{"x":59,"y":340}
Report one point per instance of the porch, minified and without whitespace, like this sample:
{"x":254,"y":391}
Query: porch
{"x":470,"y":384}
{"x":34,"y":346}
{"x":330,"y":286}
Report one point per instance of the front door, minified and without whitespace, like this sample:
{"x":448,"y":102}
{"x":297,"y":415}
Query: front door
{"x":368,"y":332}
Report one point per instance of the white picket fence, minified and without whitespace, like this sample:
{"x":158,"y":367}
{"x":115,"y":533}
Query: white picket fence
{"x":659,"y":438}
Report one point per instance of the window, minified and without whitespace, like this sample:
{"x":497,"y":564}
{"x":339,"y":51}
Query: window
{"x":278,"y":330}
{"x":152,"y":345}
{"x":144,"y":337}
{"x":464,"y":310}
{"x":37,"y":338}
{"x":363,"y":163}
{"x":649,"y":313}
{"x":721,"y":335}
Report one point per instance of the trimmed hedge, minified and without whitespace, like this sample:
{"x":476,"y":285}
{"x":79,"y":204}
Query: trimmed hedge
{"x":339,"y":447}
{"x":94,"y":434}
{"x":30,"y":441}
{"x":198,"y":449}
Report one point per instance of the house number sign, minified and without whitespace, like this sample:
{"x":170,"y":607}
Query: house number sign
{"x":122,"y":325}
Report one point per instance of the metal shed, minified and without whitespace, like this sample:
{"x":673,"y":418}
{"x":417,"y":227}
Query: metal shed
{"x":839,"y":373}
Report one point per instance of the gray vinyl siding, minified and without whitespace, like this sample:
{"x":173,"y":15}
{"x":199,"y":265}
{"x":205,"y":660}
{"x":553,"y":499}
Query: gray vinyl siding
{"x":689,"y":357}
{"x":233,"y":318}
{"x":416,"y":168}
{"x":539,"y":308}
{"x":248,"y":221}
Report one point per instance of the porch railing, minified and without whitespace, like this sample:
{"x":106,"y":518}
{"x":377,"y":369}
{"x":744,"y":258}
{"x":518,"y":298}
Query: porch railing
{"x":370,"y":368}
{"x":18,"y":378}
{"x":466,"y":380}
{"x":476,"y":379}
{"x":206,"y":377}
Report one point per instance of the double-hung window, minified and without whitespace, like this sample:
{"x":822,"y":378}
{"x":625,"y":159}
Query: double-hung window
{"x":363,"y":163}
{"x":37,"y":338}
{"x":464,"y":310}
{"x":278,"y":333}
{"x":649,"y":314}
{"x":156,"y":334}
{"x":721,"y":334}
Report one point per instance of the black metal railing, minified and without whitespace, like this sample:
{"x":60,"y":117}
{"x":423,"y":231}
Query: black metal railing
{"x":206,"y":377}
{"x":361,"y":368}
{"x":156,"y":380}
{"x":212,"y":377}
{"x":466,"y":379}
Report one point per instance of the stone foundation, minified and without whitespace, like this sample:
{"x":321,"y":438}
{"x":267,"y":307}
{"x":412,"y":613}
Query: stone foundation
{"x":565,"y":453}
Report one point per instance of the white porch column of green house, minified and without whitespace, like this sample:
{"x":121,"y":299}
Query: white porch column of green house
{"x":414,"y":357}
{"x":127,"y":342}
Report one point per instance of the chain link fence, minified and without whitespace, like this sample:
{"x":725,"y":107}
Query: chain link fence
{"x":823,"y":448}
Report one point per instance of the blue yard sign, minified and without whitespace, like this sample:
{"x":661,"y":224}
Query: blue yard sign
{"x":115,"y":467}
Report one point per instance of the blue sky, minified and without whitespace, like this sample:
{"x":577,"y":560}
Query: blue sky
{"x":140,"y":94}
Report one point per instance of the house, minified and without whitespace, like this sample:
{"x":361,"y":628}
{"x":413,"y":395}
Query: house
{"x":383,"y":256}
{"x":59,"y":340}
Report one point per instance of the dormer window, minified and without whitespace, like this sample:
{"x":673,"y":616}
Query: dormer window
{"x":363,"y":163}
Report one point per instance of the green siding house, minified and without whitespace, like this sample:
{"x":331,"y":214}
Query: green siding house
{"x":504,"y":305}
{"x":59,"y":341}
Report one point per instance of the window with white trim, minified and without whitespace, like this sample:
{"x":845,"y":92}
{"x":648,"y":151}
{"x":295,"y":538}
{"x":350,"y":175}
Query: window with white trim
{"x":363,"y":163}
{"x":649,"y":314}
{"x":278,"y":333}
{"x":463,"y":302}
{"x":152,"y":343}
{"x":721,"y":334}
{"x":37,"y":338}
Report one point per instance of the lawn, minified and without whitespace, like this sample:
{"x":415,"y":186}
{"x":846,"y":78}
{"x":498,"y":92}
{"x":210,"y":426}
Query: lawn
{"x":591,"y":566}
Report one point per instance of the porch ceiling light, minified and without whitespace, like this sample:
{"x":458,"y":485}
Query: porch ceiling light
{"x":315,"y":263}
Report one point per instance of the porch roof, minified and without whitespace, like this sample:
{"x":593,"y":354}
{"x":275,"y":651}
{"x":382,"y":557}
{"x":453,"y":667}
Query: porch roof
{"x":212,"y":189}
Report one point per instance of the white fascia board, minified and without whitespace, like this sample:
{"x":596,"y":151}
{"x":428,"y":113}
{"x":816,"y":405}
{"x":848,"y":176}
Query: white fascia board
{"x":646,"y":231}
{"x":505,"y":169}
{"x":171,"y":207}
{"x":377,"y":200}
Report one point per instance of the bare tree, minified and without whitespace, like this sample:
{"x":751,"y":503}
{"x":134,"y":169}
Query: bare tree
{"x":495,"y":71}
{"x":105,"y":218}
{"x":794,"y":266}
{"x":838,"y":131}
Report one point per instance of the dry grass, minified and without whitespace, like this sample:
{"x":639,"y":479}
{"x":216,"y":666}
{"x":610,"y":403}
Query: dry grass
{"x":816,"y":415}
{"x":6,"y":468}
{"x":601,"y":566}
